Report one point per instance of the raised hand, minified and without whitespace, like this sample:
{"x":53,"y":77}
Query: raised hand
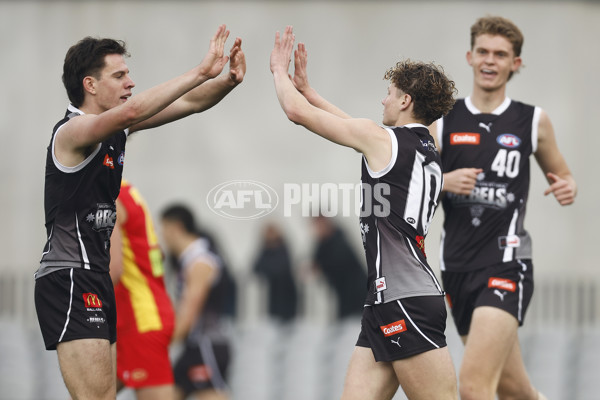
{"x":300,"y":61}
{"x":237,"y":62}
{"x":282,"y":51}
{"x":214,"y":61}
{"x":562,"y":189}
{"x":461,"y":181}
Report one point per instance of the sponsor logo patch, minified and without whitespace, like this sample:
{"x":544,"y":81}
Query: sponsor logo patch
{"x":139,"y":374}
{"x":502,"y":283}
{"x":509,"y":140}
{"x":394,"y":328}
{"x":464,"y":138}
{"x":199,"y":373}
{"x":121,"y":158}
{"x":380,"y":285}
{"x":108,"y":161}
{"x":421,"y":244}
{"x":91,"y":300}
{"x":510,"y":241}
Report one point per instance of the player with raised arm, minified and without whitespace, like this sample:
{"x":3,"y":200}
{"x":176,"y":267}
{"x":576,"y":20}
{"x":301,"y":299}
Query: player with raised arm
{"x":485,"y":144}
{"x":402,"y":339}
{"x":74,"y":295}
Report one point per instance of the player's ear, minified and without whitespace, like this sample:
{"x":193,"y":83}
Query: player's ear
{"x":517,"y":62}
{"x":89,"y":84}
{"x":469,"y":57}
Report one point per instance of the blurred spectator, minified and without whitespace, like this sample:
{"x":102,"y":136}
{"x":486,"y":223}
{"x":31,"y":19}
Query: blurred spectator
{"x":338,"y":262}
{"x":274,"y":265}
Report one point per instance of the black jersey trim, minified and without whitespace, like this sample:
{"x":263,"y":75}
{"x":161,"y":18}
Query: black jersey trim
{"x":390,"y":165}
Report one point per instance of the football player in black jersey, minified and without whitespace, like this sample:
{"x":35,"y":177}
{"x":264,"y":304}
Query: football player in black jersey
{"x":73,"y":296}
{"x":485,"y":143}
{"x":402,"y":339}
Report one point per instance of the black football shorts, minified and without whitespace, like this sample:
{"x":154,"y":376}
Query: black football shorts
{"x":202,"y":365}
{"x":508,"y":286}
{"x":74,"y":303}
{"x":404,"y":328}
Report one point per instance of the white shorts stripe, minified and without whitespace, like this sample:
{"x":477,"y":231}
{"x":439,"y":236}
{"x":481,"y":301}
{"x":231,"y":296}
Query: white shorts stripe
{"x":415,"y":325}
{"x":208,"y":356}
{"x":69,"y":311}
{"x":521,"y":277}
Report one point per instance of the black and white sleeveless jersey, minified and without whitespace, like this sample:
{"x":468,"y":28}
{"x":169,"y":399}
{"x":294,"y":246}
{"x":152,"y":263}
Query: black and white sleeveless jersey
{"x":80,"y":204}
{"x":486,"y":227}
{"x":397,"y":206}
{"x":211,"y":322}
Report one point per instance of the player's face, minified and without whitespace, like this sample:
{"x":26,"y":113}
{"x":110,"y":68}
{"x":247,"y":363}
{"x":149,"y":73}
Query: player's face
{"x":114,"y":86}
{"x":391,"y":105}
{"x":492,"y":59}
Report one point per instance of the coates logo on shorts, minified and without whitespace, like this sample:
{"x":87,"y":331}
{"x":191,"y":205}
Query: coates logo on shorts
{"x":242,"y":199}
{"x":394,"y":328}
{"x":502,"y":283}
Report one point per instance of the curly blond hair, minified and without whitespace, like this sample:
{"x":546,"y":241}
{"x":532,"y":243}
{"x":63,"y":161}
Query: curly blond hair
{"x":430,"y":89}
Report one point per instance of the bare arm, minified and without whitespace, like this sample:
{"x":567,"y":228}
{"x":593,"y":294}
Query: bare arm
{"x":116,"y":245}
{"x":363,"y":135}
{"x":300,"y":81}
{"x":552,"y":162}
{"x":81,"y":133}
{"x":199,"y":278}
{"x":204,"y":96}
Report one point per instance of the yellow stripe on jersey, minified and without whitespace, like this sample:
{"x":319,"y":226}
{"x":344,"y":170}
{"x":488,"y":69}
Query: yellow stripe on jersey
{"x":144,"y":306}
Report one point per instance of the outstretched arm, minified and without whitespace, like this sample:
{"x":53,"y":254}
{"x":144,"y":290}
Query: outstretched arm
{"x":301,"y":83}
{"x":552,"y":162}
{"x":363,"y":135}
{"x":204,"y":96}
{"x":80,"y":133}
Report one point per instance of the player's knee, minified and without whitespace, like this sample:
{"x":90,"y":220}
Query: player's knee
{"x":527,"y":393}
{"x":471,"y":388}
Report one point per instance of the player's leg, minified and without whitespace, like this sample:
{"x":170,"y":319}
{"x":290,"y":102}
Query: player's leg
{"x":514,"y":382}
{"x":87,"y":368}
{"x":210,"y":394}
{"x":492,"y":336}
{"x":427,"y":376}
{"x":160,"y":392}
{"x":368,"y":379}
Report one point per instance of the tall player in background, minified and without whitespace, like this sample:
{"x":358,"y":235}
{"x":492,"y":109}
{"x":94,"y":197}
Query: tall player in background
{"x":485,"y":143}
{"x":402,"y":339}
{"x":145,"y":316}
{"x":74,"y":294}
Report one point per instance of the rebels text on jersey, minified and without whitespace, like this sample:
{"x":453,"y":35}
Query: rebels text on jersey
{"x":486,"y":226}
{"x":79,"y":204}
{"x":397,"y":206}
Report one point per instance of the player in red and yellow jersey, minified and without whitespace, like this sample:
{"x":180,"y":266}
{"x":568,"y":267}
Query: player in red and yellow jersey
{"x":145,"y":317}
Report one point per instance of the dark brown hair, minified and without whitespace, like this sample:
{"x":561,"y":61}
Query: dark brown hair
{"x":86,"y":58}
{"x":430,"y":89}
